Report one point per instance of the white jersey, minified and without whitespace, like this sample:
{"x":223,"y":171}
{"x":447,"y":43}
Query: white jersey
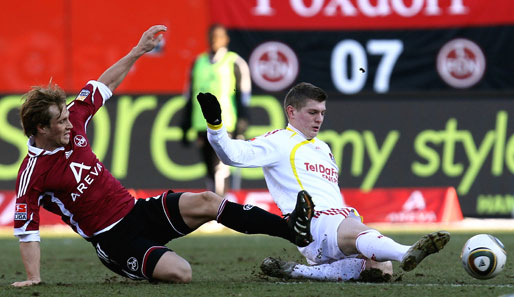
{"x":290,"y":163}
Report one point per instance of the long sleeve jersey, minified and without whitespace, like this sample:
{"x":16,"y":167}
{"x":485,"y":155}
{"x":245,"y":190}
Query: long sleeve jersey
{"x":290,"y":163}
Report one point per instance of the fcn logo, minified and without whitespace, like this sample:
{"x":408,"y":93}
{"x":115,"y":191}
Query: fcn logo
{"x":461,"y":63}
{"x":132,"y":264}
{"x":273,"y":65}
{"x":80,"y":141}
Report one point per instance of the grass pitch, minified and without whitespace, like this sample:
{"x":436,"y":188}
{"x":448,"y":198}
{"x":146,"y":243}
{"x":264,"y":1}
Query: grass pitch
{"x":227,"y":264}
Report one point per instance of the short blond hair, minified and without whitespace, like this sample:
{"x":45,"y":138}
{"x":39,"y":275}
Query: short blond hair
{"x":35,"y":109}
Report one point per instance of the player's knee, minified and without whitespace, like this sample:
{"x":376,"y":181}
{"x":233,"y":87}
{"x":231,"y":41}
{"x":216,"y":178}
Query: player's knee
{"x":199,"y":208}
{"x":172,"y":268}
{"x":181,"y":273}
{"x":210,"y":202}
{"x":184,"y":275}
{"x":211,"y":197}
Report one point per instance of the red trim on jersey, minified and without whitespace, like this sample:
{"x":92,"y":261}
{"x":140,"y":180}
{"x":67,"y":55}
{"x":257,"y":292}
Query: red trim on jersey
{"x":145,"y":258}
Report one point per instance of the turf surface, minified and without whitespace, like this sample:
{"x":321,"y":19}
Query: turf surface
{"x":228,"y":265}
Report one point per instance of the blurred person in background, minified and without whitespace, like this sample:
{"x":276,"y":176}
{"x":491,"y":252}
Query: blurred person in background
{"x":294,"y":161}
{"x":62,"y":174}
{"x":226,"y":75}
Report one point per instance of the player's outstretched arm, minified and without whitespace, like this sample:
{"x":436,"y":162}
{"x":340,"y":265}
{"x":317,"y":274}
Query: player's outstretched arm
{"x":113,"y":76}
{"x":234,"y":152}
{"x":30,"y":255}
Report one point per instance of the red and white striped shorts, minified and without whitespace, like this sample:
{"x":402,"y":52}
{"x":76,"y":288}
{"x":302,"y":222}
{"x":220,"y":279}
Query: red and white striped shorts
{"x":324,"y":227}
{"x":345,"y":211}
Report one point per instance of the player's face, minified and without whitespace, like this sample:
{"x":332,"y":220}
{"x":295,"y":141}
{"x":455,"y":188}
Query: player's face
{"x":57,"y":134}
{"x":218,"y":39}
{"x":309,"y":118}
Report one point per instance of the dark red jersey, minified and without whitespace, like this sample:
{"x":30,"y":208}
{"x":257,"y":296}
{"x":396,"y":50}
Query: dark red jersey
{"x":70,"y":181}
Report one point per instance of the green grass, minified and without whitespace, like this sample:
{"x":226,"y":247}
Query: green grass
{"x":228,"y":265}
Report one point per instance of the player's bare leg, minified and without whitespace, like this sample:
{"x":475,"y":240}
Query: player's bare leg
{"x":172,"y":268}
{"x":197,"y":209}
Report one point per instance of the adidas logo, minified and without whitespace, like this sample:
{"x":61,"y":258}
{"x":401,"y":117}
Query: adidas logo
{"x":416,"y":201}
{"x":413,"y":210}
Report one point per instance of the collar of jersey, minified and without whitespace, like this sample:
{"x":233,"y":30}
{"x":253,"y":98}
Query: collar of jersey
{"x":35,"y":151}
{"x":296,"y":131}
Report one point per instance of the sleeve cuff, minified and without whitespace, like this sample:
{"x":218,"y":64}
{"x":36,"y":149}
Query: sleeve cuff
{"x":102,"y":88}
{"x":215,"y":127}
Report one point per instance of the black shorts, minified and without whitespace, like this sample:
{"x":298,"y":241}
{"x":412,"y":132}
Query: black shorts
{"x":133,"y":247}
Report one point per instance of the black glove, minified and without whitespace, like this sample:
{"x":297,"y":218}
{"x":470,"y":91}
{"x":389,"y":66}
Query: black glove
{"x":210,"y":108}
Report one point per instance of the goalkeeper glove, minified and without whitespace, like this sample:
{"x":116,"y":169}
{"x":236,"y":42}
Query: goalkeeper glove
{"x":210,"y":108}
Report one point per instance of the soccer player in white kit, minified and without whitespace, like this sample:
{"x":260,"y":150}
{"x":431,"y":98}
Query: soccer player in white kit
{"x":294,"y":160}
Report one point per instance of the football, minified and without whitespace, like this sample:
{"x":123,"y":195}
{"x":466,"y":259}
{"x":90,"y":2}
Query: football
{"x":483,"y":256}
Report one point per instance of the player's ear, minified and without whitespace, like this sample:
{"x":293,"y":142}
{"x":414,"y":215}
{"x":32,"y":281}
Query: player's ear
{"x":42,"y":129}
{"x":290,"y":111}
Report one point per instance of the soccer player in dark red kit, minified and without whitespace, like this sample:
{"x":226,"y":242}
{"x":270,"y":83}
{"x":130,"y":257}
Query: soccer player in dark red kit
{"x":62,"y":174}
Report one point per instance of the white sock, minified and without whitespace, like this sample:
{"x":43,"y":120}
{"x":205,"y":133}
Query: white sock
{"x":341,"y":270}
{"x":378,"y":247}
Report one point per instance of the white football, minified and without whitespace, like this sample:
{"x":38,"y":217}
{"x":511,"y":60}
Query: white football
{"x":483,"y":256}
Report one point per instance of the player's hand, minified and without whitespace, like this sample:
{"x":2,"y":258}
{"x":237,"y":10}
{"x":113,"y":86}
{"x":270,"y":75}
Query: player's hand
{"x":26,"y":283}
{"x":150,"y":40}
{"x":210,"y":108}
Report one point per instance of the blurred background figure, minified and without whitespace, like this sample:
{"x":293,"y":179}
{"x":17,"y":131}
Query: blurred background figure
{"x":226,"y":75}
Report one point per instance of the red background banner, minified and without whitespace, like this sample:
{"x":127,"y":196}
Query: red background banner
{"x":72,"y":42}
{"x":353,"y":14}
{"x":398,"y":205}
